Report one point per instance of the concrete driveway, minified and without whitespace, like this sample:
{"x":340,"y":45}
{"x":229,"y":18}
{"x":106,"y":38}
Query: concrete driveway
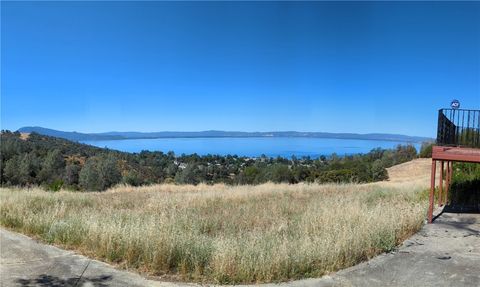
{"x":446,"y":253}
{"x":25,"y":262}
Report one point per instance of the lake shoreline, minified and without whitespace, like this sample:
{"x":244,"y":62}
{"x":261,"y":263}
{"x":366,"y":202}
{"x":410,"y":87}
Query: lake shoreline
{"x":285,"y":147}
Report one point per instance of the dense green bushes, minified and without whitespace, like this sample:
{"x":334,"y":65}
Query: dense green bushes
{"x":100,"y":173}
{"x":55,"y":163}
{"x":465,"y":189}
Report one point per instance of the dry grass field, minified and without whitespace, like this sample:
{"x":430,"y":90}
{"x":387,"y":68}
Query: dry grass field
{"x":227,"y":234}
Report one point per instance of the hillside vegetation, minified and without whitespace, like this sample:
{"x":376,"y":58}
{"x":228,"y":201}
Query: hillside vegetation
{"x":465,"y":190}
{"x":225,"y":234}
{"x":56,"y":163}
{"x":219,"y":229}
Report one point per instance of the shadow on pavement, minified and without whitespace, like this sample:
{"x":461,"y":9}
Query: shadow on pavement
{"x":464,"y":198}
{"x":53,"y":281}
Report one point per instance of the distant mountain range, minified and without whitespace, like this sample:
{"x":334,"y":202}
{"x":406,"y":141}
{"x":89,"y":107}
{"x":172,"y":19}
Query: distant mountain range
{"x":75,"y":136}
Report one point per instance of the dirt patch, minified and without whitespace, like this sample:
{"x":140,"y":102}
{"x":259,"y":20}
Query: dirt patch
{"x":24,"y":136}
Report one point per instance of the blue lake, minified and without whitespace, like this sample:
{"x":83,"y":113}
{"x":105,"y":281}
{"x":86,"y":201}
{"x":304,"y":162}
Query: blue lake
{"x":252,"y":147}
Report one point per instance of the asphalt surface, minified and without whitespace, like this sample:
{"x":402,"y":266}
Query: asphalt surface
{"x":446,"y":253}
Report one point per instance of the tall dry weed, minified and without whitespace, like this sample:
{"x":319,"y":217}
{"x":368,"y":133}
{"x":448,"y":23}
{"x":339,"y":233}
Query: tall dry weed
{"x":223,"y":234}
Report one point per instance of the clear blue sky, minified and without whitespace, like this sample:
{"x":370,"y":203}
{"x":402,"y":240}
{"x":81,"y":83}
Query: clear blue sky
{"x":250,"y":66}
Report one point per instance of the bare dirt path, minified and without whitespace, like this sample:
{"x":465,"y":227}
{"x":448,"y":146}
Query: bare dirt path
{"x":446,"y":253}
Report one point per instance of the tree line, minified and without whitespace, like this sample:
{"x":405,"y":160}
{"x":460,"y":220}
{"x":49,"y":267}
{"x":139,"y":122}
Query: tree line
{"x":56,"y":163}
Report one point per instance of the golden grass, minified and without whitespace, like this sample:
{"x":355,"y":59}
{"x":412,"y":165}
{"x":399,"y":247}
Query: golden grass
{"x":415,"y":170}
{"x":224,"y":234}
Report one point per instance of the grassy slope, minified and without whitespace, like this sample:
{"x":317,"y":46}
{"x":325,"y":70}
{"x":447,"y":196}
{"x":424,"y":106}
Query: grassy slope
{"x":227,"y":234}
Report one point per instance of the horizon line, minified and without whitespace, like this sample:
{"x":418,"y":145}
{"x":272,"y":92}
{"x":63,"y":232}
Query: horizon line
{"x":230,"y":131}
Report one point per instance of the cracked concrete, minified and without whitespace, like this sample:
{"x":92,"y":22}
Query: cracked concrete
{"x":26,"y":262}
{"x":446,"y":253}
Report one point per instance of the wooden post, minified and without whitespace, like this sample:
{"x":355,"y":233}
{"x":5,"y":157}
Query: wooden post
{"x":432,"y":191}
{"x":451,"y":171}
{"x":447,"y":183}
{"x":450,"y":174}
{"x":440,"y":185}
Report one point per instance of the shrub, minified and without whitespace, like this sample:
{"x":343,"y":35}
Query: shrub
{"x":52,"y":167}
{"x":280,"y":173}
{"x":108,"y":171}
{"x":100,"y":173}
{"x":426,"y":150}
{"x":28,"y":169}
{"x":378,"y":171}
{"x":89,"y":177}
{"x":189,"y":175}
{"x":56,"y":185}
{"x":132,"y":178}
{"x":72,"y":172}
{"x":12,"y":167}
{"x":336,"y":176}
{"x":465,"y":189}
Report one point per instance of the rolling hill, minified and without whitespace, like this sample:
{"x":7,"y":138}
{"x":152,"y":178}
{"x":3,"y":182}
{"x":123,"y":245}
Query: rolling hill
{"x":76,"y":136}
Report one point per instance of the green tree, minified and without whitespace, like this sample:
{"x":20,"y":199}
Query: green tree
{"x":89,"y":177}
{"x":71,"y":174}
{"x":378,"y":171}
{"x":11,"y":146}
{"x":301,"y":173}
{"x":11,"y":171}
{"x":189,"y":175}
{"x":249,"y":175}
{"x":337,"y":175}
{"x":426,"y":150}
{"x":28,"y":169}
{"x":108,"y":171}
{"x":132,"y":178}
{"x":100,"y":173}
{"x":171,"y":170}
{"x":52,"y":167}
{"x":281,"y":173}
